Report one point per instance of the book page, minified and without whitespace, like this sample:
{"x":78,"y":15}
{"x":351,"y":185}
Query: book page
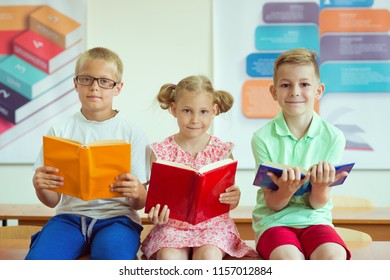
{"x":214,"y":165}
{"x":284,"y":166}
{"x":175,"y":164}
{"x":93,"y":143}
{"x":106,"y":142}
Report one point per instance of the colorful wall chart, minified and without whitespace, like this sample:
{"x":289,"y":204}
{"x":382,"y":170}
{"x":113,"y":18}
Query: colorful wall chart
{"x":353,"y":42}
{"x":40,"y":42}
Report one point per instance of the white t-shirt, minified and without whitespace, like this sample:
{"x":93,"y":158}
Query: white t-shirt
{"x":79,"y":128}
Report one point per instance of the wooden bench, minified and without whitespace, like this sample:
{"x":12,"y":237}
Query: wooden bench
{"x":374,"y":221}
{"x":16,"y":249}
{"x":15,"y":246}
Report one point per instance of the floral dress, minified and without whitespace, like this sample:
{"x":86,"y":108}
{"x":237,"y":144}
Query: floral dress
{"x":219,"y":231}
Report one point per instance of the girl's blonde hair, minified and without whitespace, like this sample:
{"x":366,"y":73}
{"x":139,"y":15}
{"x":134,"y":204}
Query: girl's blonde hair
{"x":170,"y":93}
{"x":104,"y":54}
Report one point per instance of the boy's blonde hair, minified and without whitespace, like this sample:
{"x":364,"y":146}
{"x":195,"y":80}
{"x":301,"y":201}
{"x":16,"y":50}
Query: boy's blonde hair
{"x":299,"y":56}
{"x":104,"y":54}
{"x":170,"y":93}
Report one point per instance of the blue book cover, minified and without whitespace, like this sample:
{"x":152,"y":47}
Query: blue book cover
{"x":264,"y":181}
{"x":29,"y":80}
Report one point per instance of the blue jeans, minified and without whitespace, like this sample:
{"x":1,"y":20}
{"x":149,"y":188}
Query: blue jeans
{"x":67,"y":237}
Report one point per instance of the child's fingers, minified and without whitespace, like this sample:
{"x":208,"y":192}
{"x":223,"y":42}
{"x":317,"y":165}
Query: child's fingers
{"x":232,"y":188}
{"x":158,"y":217}
{"x":153,"y":214}
{"x":164,"y":217}
{"x":340,"y":175}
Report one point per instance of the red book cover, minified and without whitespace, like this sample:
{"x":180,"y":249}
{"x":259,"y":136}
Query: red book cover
{"x":7,"y":38}
{"x":42,"y":53}
{"x":192,"y":196}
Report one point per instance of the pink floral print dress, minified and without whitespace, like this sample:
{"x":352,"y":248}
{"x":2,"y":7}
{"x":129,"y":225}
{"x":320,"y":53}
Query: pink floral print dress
{"x":219,"y":231}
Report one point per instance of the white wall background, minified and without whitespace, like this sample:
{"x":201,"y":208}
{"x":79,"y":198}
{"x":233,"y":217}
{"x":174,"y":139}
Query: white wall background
{"x":163,"y":42}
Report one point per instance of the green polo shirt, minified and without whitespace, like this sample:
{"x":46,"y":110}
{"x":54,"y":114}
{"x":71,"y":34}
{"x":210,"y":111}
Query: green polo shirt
{"x":274,"y":142}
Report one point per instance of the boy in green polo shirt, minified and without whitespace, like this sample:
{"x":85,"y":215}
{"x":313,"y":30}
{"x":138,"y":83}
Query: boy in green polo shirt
{"x":289,"y":224}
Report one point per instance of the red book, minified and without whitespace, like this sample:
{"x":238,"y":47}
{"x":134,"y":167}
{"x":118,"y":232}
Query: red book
{"x":191,"y":195}
{"x":42,"y":53}
{"x":7,"y":37}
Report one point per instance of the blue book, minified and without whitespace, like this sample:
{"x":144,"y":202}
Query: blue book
{"x":264,"y":181}
{"x":28,"y":80}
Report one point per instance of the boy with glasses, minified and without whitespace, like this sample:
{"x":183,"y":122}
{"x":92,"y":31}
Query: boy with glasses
{"x":104,"y":228}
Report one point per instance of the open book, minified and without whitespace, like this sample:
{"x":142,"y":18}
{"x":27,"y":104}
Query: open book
{"x":192,"y":196}
{"x":88,"y":170}
{"x":264,"y":181}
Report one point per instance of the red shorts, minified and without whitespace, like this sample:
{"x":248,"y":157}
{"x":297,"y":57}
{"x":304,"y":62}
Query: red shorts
{"x":305,"y":239}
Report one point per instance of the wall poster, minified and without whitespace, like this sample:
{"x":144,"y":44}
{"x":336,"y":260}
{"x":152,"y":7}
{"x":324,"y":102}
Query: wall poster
{"x":40,"y":42}
{"x":353,"y":42}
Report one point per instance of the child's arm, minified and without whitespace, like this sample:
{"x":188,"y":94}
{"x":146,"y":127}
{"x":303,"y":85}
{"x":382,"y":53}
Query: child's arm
{"x":43,"y":181}
{"x":288,"y":184}
{"x":322,"y":175}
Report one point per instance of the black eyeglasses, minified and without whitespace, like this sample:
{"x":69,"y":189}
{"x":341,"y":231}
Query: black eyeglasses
{"x":102,"y":82}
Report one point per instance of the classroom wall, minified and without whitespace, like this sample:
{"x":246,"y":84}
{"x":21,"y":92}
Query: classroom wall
{"x":162,"y":42}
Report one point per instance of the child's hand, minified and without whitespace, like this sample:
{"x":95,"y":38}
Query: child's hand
{"x":231,"y":196}
{"x":157,"y":219}
{"x":290,"y":181}
{"x":44,"y":179}
{"x":323,"y":174}
{"x":129,"y":186}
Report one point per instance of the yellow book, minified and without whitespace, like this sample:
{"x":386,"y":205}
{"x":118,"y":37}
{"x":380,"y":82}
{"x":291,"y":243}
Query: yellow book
{"x":88,"y":170}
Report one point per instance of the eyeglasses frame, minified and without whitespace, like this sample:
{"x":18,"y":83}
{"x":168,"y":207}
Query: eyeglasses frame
{"x":95,"y":79}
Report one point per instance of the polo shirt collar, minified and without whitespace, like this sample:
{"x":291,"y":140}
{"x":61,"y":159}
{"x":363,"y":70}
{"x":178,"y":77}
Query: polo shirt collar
{"x":282,"y":128}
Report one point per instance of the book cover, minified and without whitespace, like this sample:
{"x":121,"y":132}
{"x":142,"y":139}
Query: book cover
{"x":55,"y":26}
{"x":88,"y":169}
{"x":4,"y":126}
{"x":28,"y":80}
{"x":7,"y":38}
{"x":264,"y":181}
{"x":10,"y":102}
{"x":10,"y":133}
{"x":15,"y":17}
{"x":192,"y":196}
{"x":42,"y":53}
{"x":15,"y":107}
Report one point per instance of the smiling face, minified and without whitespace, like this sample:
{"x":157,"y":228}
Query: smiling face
{"x":194,"y":112}
{"x":96,"y":101}
{"x":296,"y":89}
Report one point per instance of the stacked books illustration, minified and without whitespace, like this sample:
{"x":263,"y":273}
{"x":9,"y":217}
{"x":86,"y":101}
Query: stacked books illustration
{"x":37,"y":63}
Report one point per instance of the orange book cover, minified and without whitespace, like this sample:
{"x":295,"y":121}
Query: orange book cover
{"x":192,"y":196}
{"x":55,"y":26}
{"x":88,"y":169}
